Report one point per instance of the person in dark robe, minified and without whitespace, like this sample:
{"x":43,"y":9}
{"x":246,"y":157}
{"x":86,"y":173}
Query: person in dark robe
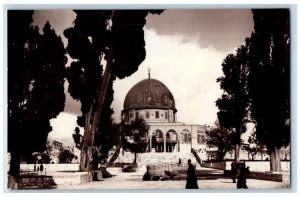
{"x":41,"y":167}
{"x":243,"y":174}
{"x":179,"y":162}
{"x":147,"y":176}
{"x":95,"y":163}
{"x":233,"y":171}
{"x":191,"y":181}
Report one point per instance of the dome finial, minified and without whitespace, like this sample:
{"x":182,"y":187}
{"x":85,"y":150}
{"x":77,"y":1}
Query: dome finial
{"x":149,"y":72}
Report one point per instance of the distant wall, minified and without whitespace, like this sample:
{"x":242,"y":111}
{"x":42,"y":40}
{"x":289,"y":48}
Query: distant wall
{"x":217,"y":165}
{"x":253,"y":165}
{"x":51,"y":167}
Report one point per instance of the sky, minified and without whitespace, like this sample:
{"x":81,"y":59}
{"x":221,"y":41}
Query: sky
{"x":185,"y":50}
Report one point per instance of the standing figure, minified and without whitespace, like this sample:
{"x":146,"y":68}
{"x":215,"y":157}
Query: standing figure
{"x":41,"y":168}
{"x":147,"y":176}
{"x":179,"y":162}
{"x":191,"y":181}
{"x":243,"y":174}
{"x":233,"y":171}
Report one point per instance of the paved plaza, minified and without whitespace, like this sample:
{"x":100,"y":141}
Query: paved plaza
{"x":130,"y":181}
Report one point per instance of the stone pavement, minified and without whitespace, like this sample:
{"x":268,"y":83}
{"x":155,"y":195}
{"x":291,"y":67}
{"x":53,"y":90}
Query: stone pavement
{"x":133,"y":181}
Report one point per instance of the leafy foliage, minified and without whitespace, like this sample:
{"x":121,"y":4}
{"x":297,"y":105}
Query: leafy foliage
{"x":234,"y":102}
{"x":269,"y":78}
{"x":116,"y":37}
{"x":65,"y":156}
{"x":254,"y":146}
{"x":222,"y":138}
{"x":135,"y":136}
{"x":36,"y":71}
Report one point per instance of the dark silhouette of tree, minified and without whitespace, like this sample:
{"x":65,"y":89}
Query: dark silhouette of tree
{"x":116,"y":37}
{"x":137,"y":131}
{"x":234,"y":102}
{"x":222,"y":138}
{"x":65,"y":156}
{"x":36,"y":69}
{"x":254,"y":146}
{"x":269,"y":80}
{"x":18,"y":80}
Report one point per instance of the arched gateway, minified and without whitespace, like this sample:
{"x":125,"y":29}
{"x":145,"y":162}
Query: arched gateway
{"x":151,"y":100}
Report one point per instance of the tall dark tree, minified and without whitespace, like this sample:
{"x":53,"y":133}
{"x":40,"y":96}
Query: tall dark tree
{"x":269,"y":80}
{"x":234,"y":102}
{"x":18,"y":32}
{"x":114,"y":36}
{"x":36,"y":68}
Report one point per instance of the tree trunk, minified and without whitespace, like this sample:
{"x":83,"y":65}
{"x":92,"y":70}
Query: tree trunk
{"x":115,"y":155}
{"x":237,"y":145}
{"x":275,"y":162}
{"x":86,"y":142}
{"x":135,"y":157}
{"x":91,"y":127}
{"x":237,"y":152}
{"x":102,"y":96}
{"x":117,"y":152}
{"x":14,"y":167}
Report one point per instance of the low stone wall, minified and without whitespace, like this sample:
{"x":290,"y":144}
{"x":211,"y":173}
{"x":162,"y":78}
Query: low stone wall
{"x":51,"y":167}
{"x":261,"y":166}
{"x":72,"y":178}
{"x":278,"y":176}
{"x":159,"y":169}
{"x":216,"y":165}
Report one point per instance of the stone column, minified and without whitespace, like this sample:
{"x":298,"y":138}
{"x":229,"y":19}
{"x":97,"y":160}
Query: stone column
{"x":150,"y":144}
{"x":178,"y":143}
{"x":165,"y":143}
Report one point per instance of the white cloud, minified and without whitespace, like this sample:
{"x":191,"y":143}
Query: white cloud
{"x":63,"y":128}
{"x":187,"y":69}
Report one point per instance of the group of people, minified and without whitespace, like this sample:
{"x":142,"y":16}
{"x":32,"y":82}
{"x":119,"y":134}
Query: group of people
{"x":239,"y":174}
{"x":39,"y":168}
{"x":191,"y":180}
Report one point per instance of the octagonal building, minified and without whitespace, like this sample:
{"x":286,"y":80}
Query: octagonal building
{"x":152,"y":100}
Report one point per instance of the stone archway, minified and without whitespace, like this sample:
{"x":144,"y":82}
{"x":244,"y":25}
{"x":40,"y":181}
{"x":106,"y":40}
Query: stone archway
{"x":172,"y":141}
{"x":157,"y":141}
{"x":185,"y":140}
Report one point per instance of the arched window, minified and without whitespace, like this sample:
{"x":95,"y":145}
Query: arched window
{"x":201,"y":139}
{"x":159,"y":134}
{"x":185,"y":138}
{"x":156,"y":114}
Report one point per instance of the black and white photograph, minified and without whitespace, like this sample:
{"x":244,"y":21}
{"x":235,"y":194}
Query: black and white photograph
{"x":149,"y":99}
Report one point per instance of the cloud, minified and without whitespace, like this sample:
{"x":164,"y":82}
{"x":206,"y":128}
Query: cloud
{"x":71,"y":105}
{"x":63,"y":128}
{"x":187,"y":69}
{"x":58,"y":19}
{"x":222,"y":28}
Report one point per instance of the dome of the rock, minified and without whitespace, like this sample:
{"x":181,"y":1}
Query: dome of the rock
{"x":149,"y":94}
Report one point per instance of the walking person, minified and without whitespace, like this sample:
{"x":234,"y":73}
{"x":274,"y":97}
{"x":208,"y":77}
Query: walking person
{"x":191,"y":181}
{"x":243,"y":174}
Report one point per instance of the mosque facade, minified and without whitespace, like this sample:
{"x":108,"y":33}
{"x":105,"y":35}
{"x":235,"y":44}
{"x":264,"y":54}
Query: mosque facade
{"x":152,"y":101}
